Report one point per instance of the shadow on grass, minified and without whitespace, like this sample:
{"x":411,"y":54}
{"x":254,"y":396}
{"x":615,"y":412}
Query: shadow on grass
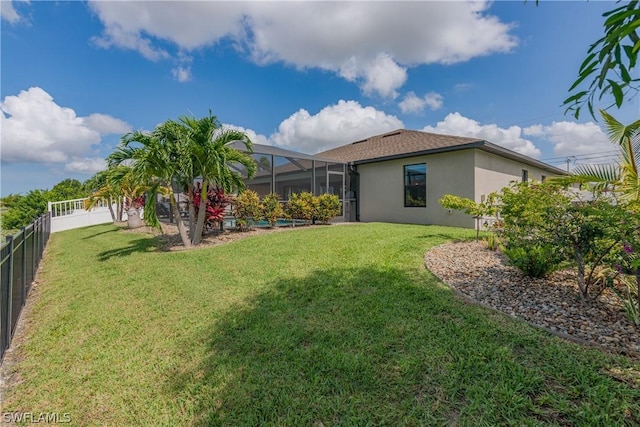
{"x":448,"y":234}
{"x":148,"y":244}
{"x":375,"y":347}
{"x":113,"y":230}
{"x":448,"y":238}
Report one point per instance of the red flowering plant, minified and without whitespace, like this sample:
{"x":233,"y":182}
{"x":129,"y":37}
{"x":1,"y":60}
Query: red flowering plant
{"x":216,"y":205}
{"x":134,"y":202}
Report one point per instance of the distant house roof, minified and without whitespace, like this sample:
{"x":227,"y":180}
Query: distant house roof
{"x":403,"y":143}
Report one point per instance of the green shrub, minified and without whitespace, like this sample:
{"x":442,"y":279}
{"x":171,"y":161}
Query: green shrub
{"x":247,"y":208}
{"x":271,"y":208}
{"x":534,"y":260}
{"x":26,"y":209}
{"x":492,"y":242}
{"x":328,"y":207}
{"x":300,"y":206}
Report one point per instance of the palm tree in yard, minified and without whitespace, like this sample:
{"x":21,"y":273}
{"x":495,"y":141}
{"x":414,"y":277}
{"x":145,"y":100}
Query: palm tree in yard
{"x":174,"y":155}
{"x":211,"y":159}
{"x":104,"y":192}
{"x":156,"y":162}
{"x":115,"y":184}
{"x":623,"y":177}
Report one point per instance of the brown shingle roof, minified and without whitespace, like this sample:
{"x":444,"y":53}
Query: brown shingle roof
{"x":396,"y":144}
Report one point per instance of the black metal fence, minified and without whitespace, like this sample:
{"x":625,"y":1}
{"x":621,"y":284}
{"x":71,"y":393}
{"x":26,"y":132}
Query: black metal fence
{"x":20,"y":256}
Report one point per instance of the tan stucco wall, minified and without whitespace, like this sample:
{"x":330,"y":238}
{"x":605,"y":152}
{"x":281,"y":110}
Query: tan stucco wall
{"x":493,"y":172}
{"x":466,"y":173}
{"x":382,"y":189}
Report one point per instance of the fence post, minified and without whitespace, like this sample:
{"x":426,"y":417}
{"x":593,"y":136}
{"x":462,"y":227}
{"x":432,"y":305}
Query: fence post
{"x":35,"y":249}
{"x":37,"y":226}
{"x":47,"y":233}
{"x":41,"y":234}
{"x":23,"y":296}
{"x":7,"y":323}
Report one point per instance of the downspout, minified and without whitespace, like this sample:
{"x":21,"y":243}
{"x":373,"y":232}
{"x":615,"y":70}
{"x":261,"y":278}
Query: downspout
{"x":354,"y":170}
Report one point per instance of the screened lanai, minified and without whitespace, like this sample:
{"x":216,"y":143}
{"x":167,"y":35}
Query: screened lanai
{"x":285,"y":172}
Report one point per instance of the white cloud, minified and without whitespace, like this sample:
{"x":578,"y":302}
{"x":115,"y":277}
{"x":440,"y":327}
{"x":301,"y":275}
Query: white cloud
{"x":253,"y":136}
{"x":89,"y":165}
{"x":369,"y":43}
{"x":36,"y":129}
{"x":415,"y":104}
{"x":182,"y":73}
{"x":381,"y":75}
{"x":572,"y":139}
{"x":511,"y":138}
{"x":334,"y":125}
{"x":8,"y":11}
{"x":534,"y":130}
{"x":105,"y":124}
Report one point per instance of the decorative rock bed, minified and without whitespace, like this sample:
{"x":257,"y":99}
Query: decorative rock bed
{"x":552,"y":303}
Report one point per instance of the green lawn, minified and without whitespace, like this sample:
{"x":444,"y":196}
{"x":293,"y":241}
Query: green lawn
{"x":336,"y":325}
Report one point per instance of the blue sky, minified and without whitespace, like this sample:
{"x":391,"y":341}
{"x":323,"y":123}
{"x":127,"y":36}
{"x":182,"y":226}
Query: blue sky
{"x":307,"y":76}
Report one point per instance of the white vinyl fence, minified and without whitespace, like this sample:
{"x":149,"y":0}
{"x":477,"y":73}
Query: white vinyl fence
{"x":70,"y":214}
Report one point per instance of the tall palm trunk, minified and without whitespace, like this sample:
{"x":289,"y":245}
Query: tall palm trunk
{"x":113,"y":214}
{"x":192,"y":211}
{"x":202,"y":212}
{"x":182,"y":230}
{"x":120,"y":208}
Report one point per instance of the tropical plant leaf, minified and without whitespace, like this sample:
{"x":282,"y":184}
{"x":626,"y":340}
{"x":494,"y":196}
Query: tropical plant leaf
{"x":610,"y":62}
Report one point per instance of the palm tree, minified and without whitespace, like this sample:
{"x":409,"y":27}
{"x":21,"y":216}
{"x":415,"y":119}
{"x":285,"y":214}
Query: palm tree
{"x":130,"y":191}
{"x":211,"y":158}
{"x":623,"y":178}
{"x":103,"y":191}
{"x":155,"y":161}
{"x":178,"y":152}
{"x":115,"y":183}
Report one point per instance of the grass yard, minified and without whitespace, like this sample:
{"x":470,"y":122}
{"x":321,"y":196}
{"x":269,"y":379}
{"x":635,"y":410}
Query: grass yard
{"x":337,"y":325}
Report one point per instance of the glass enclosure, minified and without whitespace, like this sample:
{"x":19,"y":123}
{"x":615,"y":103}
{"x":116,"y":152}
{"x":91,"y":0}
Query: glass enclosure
{"x":261,"y":182}
{"x":286,"y":172}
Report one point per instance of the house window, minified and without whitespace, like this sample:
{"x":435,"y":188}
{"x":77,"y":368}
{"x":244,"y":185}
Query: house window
{"x":543,"y":178}
{"x":415,"y":185}
{"x":525,"y":175}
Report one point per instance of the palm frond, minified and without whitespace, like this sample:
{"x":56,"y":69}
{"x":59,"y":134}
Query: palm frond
{"x":149,"y":214}
{"x":618,"y":132}
{"x":597,"y":173}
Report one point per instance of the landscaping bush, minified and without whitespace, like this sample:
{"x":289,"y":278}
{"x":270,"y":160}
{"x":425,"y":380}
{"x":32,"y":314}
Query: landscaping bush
{"x":584,"y":232}
{"x":588,"y":233}
{"x":488,"y":208}
{"x":216,"y":205}
{"x":301,"y":206}
{"x":493,"y":243}
{"x":271,"y":208}
{"x":534,"y":260}
{"x":247,"y":209}
{"x":328,"y":207}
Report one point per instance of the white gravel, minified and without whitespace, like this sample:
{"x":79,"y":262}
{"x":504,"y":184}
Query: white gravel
{"x":552,"y":303}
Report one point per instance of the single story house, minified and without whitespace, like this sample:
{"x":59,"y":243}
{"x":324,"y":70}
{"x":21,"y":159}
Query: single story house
{"x":398,"y":176}
{"x":401,"y":175}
